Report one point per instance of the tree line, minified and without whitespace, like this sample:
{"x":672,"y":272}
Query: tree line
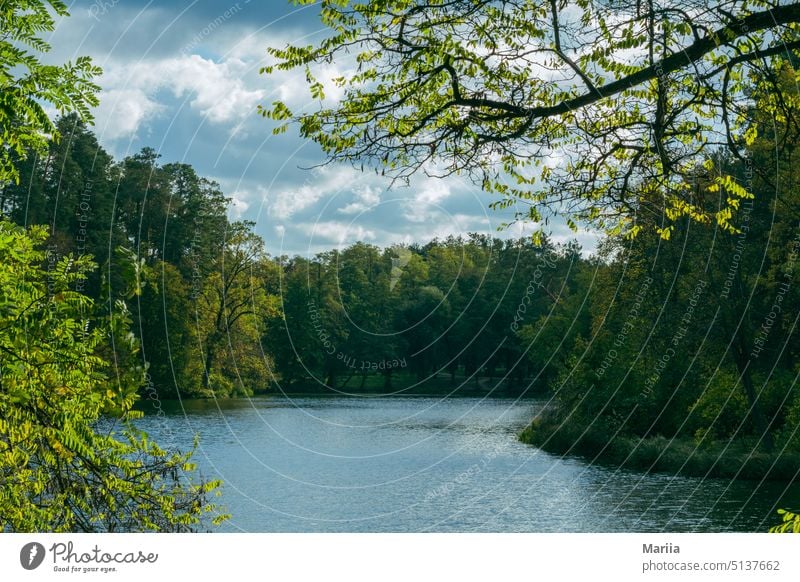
{"x":215,"y":314}
{"x":689,"y":338}
{"x":201,"y":281}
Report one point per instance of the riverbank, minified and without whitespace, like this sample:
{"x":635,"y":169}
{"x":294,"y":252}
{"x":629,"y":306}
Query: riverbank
{"x":375,"y":385}
{"x":434,"y":386}
{"x":739,"y":459}
{"x":308,"y":392}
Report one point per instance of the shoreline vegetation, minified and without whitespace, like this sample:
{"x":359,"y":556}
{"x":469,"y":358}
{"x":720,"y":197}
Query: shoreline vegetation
{"x":684,"y":456}
{"x":432,"y":387}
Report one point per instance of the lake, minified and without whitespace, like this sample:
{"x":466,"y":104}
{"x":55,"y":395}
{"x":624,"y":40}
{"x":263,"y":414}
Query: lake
{"x":417,"y":464}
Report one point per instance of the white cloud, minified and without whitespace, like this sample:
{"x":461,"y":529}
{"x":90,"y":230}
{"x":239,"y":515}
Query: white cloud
{"x":292,"y":87}
{"x":366,"y":197}
{"x":433,"y":191}
{"x":239,"y":204}
{"x":122,"y":111}
{"x":427,"y":196}
{"x":215,"y":90}
{"x":323,"y":182}
{"x":294,"y":200}
{"x":340,"y":233}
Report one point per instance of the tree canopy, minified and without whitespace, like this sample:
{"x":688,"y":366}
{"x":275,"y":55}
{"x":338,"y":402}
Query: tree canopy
{"x":28,"y":86}
{"x":70,"y":459}
{"x":599,"y":111}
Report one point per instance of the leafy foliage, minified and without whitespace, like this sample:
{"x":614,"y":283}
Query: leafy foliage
{"x":790,"y":522}
{"x":402,"y":317}
{"x":65,"y":465}
{"x":601,"y":111}
{"x":692,"y":343}
{"x":201,"y":280}
{"x":27,"y":85}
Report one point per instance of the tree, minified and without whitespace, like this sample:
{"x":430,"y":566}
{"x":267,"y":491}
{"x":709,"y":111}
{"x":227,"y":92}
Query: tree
{"x":227,"y":307}
{"x":195,"y":227}
{"x":58,"y":472}
{"x":71,"y":188}
{"x":289,"y":333}
{"x":167,"y":331}
{"x":27,"y":85}
{"x":144,"y":201}
{"x":602,"y":111}
{"x":71,"y":458}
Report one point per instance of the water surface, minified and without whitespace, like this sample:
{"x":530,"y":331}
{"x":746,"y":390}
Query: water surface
{"x":415,"y":464}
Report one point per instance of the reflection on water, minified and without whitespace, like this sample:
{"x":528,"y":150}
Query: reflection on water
{"x":433,"y":464}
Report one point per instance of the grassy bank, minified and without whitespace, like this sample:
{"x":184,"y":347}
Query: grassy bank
{"x":737,"y":459}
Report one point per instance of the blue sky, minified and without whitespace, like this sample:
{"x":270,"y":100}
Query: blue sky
{"x":182,"y":77}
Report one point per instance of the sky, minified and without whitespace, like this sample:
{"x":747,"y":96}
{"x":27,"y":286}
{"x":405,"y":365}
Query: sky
{"x":183,"y":78}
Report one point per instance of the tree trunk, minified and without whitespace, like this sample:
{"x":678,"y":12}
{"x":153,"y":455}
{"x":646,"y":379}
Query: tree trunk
{"x":209,"y":360}
{"x":330,"y":380}
{"x":346,"y":382}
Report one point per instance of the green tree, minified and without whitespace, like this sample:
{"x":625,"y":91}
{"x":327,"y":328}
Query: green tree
{"x":630,"y":96}
{"x":162,"y":313}
{"x":290,"y":333}
{"x":144,"y":202}
{"x":71,"y":189}
{"x":58,"y":471}
{"x":230,"y":305}
{"x":27,"y":85}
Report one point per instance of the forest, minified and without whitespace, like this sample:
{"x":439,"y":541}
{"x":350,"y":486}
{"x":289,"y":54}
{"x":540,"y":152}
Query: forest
{"x":683,"y":350}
